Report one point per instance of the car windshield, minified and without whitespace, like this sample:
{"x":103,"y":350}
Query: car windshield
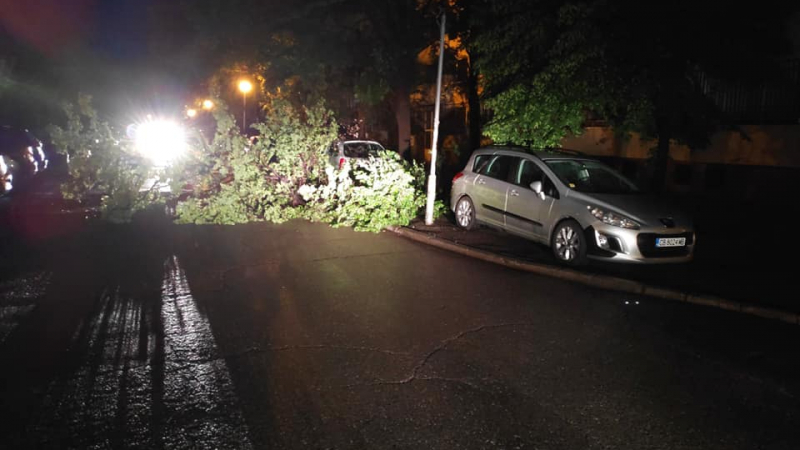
{"x":591,"y":177}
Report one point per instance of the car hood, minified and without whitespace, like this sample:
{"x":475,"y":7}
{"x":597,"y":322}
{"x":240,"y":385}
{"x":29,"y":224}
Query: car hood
{"x":644,"y":209}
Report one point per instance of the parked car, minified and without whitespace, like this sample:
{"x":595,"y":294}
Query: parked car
{"x":341,"y":151}
{"x":23,"y":154}
{"x":5,"y":176}
{"x":38,"y":209}
{"x":578,"y":206}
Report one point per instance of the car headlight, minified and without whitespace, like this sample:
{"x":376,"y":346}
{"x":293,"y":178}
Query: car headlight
{"x":613,"y":219}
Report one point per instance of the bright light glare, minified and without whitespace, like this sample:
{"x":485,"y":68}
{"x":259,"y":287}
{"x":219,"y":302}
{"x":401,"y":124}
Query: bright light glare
{"x":161,"y":141}
{"x":208,"y":104}
{"x":191,"y":112}
{"x":245,"y":86}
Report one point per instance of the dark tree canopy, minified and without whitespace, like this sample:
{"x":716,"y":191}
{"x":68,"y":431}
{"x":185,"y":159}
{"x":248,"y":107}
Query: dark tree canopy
{"x":546,"y":64}
{"x":342,"y":50}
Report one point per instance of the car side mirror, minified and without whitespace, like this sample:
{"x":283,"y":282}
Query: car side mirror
{"x":536,"y":186}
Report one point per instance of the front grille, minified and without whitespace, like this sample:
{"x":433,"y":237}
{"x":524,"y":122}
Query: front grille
{"x":647,"y":245}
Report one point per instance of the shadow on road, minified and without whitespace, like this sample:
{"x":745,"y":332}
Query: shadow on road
{"x":117,"y":352}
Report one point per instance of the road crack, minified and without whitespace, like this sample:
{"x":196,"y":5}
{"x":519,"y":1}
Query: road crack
{"x":414,"y":375}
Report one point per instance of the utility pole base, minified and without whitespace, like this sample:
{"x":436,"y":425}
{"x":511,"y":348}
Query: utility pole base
{"x":431,"y":199}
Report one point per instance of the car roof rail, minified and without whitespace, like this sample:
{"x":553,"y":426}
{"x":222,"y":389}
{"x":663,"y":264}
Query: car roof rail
{"x":562,"y":151}
{"x":508,"y":147}
{"x":537,"y":152}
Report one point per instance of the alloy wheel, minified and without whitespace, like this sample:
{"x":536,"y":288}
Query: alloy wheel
{"x":464,"y":213}
{"x":568,"y":244}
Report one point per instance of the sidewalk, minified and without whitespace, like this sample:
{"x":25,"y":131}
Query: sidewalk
{"x":741,"y":275}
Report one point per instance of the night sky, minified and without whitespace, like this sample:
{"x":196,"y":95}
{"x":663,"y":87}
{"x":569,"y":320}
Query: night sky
{"x":121,"y":28}
{"x":99,"y":47}
{"x":112,"y":28}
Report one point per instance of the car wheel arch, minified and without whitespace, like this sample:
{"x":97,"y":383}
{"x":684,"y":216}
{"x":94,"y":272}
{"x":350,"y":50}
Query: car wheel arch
{"x":562,"y":220}
{"x":463,"y":194}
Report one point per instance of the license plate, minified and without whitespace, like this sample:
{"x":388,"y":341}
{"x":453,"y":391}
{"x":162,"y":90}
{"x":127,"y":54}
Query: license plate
{"x":671,"y":242}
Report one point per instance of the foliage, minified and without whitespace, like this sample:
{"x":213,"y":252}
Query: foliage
{"x":102,"y":163}
{"x":236,"y":180}
{"x":533,"y":86}
{"x":532,"y":115}
{"x":282,"y":174}
{"x":368,"y":194}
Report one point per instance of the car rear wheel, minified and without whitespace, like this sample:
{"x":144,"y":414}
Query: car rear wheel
{"x":465,"y":213}
{"x":569,"y":243}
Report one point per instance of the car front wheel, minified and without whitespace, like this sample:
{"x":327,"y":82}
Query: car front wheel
{"x":569,"y":243}
{"x":465,"y":213}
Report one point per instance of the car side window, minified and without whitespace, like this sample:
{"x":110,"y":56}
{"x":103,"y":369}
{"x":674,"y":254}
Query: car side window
{"x":527,"y":172}
{"x":498,"y":167}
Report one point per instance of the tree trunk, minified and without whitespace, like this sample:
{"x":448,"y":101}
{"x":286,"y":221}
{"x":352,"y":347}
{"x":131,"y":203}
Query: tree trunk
{"x":473,"y":112}
{"x":660,"y":160}
{"x":402,"y":114}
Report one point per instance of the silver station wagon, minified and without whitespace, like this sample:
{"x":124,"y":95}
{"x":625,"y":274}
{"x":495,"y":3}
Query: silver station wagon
{"x":578,"y":206}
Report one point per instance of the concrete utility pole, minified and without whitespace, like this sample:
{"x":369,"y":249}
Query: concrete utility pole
{"x":432,"y":176}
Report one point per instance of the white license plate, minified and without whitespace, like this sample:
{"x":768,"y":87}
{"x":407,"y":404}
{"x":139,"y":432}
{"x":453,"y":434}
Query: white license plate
{"x":671,"y":242}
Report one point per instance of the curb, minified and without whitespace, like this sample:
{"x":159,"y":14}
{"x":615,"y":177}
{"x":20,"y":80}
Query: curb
{"x":599,"y":281}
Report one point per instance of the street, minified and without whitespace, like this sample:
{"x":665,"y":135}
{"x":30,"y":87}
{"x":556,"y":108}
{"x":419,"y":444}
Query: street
{"x":303,"y":336}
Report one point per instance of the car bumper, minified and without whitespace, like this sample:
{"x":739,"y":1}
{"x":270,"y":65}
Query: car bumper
{"x":610,"y":243}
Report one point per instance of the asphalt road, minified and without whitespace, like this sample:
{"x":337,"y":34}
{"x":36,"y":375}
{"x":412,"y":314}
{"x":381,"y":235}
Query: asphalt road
{"x":302,"y":336}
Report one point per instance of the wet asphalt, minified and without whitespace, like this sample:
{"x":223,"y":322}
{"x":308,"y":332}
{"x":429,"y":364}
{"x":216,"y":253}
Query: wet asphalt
{"x":303,"y":336}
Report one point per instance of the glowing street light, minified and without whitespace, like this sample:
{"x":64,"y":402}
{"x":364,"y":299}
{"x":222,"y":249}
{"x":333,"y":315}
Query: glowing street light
{"x":245,"y":87}
{"x":191,"y":112}
{"x":208,"y":105}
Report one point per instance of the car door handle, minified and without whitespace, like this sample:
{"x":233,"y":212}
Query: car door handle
{"x":481,"y":181}
{"x":514,"y":193}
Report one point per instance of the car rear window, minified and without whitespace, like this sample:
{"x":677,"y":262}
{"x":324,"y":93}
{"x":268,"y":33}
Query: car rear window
{"x":359,"y":150}
{"x":480,"y":160}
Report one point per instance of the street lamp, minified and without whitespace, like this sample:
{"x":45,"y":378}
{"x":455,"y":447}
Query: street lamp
{"x":244,"y":87}
{"x":208,"y":105}
{"x":191,"y":112}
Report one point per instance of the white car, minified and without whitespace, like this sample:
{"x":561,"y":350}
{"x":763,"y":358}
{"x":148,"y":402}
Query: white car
{"x":578,"y":206}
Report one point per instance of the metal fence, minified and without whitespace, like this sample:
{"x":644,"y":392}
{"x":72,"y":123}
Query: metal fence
{"x":774,"y":101}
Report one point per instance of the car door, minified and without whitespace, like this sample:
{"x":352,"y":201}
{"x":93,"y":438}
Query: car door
{"x":489,"y":189}
{"x":526,"y":212}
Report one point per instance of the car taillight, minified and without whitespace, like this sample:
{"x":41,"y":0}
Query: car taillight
{"x":458,"y":175}
{"x":341,"y":163}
